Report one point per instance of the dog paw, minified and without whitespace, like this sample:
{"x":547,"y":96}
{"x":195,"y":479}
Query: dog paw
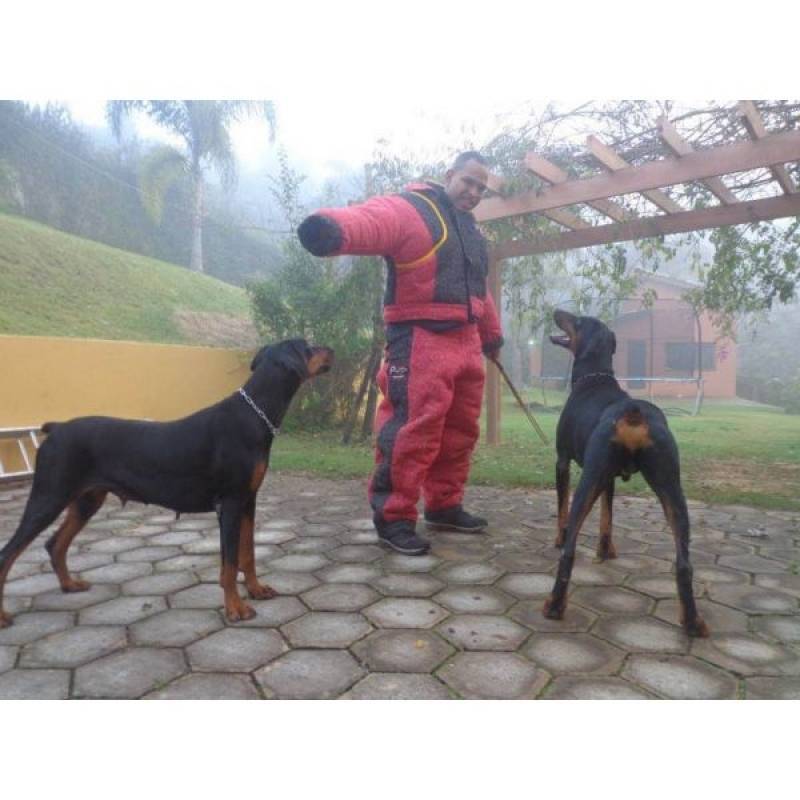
{"x":75,"y":585}
{"x":551,"y":610}
{"x":698,"y":629}
{"x":261,"y":592}
{"x":241,"y":613}
{"x":605,"y":551}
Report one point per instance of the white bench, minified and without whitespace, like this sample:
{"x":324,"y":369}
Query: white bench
{"x":27,"y":444}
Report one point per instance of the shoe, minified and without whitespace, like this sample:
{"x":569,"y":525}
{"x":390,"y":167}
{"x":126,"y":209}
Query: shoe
{"x":454,"y":519}
{"x":402,"y":537}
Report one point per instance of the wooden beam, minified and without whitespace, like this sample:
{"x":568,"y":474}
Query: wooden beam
{"x":778,"y":148}
{"x":662,"y":225}
{"x":613,"y":161}
{"x":755,"y":127}
{"x":567,"y":219}
{"x":680,"y":147}
{"x":495,"y":183}
{"x":553,"y":174}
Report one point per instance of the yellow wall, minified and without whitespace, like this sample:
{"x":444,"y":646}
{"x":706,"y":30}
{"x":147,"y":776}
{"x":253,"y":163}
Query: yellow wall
{"x":44,"y":378}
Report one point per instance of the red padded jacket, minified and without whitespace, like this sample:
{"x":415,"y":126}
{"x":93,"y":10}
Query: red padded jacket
{"x":437,"y":259}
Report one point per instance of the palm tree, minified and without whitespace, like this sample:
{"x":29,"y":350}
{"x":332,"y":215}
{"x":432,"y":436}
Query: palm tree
{"x":203,"y":127}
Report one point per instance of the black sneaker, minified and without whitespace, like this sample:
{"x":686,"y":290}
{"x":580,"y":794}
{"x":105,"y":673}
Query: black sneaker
{"x":454,"y":519}
{"x":402,"y":537}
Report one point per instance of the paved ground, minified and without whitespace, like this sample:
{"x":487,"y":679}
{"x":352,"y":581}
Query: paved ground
{"x":355,"y":621}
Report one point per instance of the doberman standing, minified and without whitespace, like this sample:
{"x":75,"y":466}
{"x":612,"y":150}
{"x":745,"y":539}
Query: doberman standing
{"x":610,"y":435}
{"x":212,"y":460}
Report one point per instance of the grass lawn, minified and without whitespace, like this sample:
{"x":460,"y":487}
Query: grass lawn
{"x":730,"y":454}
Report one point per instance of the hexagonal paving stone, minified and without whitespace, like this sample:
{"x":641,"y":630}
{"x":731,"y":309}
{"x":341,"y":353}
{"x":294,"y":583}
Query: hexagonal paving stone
{"x":326,"y":629}
{"x":591,"y":574}
{"x":470,"y":573}
{"x":784,"y":629}
{"x":408,"y":585}
{"x":86,"y":561}
{"x":114,"y":544}
{"x":526,"y":585}
{"x":129,"y":674}
{"x":788,"y":584}
{"x":73,"y":601}
{"x":361,"y":525}
{"x":349,"y":573}
{"x":747,"y":655}
{"x":399,"y":686}
{"x":359,"y":537}
{"x":281,"y":524}
{"x":207,"y":687}
{"x":772,"y":688}
{"x":148,"y":554}
{"x":355,"y":553}
{"x":117,"y":573}
{"x":274,"y":536}
{"x":35,"y":684}
{"x":680,"y":678}
{"x":720,"y":619}
{"x":192,"y":563}
{"x":300,"y":562}
{"x":159,"y":584}
{"x":496,"y":676}
{"x":753,"y":599}
{"x":519,"y":562}
{"x":340,"y":597}
{"x":309,"y":675}
{"x":529,"y":613}
{"x":73,"y":647}
{"x":660,"y":586}
{"x":573,"y":653}
{"x":289,"y":582}
{"x":235,"y":650}
{"x":402,"y":651}
{"x":707,"y":574}
{"x":122,"y":611}
{"x":405,"y":612}
{"x":569,"y":688}
{"x":474,"y":599}
{"x":483,"y":632}
{"x":203,"y":595}
{"x":28,"y":627}
{"x":612,"y":600}
{"x":641,"y":634}
{"x":176,"y":538}
{"x":273,"y":613}
{"x":308,"y":544}
{"x":35,"y":584}
{"x":752,"y":563}
{"x":396,"y":562}
{"x":175,"y":628}
{"x":8,"y":655}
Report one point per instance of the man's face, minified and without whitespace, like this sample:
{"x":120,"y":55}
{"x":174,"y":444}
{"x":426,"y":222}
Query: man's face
{"x":466,"y":185}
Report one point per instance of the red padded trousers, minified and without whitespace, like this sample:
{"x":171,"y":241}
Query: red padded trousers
{"x":427,"y":424}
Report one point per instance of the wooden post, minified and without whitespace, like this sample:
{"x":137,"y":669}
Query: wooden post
{"x":495,"y":286}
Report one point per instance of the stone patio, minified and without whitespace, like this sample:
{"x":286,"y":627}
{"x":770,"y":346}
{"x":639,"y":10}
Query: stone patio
{"x":356,"y":621}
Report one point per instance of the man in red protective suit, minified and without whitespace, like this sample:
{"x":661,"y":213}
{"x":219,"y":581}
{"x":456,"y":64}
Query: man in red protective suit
{"x":439,"y":319}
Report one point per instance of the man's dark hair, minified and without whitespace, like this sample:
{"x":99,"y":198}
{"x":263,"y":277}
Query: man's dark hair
{"x":469,"y":155}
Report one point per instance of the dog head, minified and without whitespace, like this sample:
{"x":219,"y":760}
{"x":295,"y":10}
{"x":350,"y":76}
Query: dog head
{"x":587,"y":338}
{"x":296,"y":356}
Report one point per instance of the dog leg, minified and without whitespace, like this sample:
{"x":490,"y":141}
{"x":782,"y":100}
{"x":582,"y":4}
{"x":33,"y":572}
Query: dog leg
{"x":230,"y":525}
{"x":79,"y":512}
{"x":247,"y":555}
{"x":40,"y":511}
{"x":562,"y":491}
{"x":605,"y":547}
{"x":665,"y":482}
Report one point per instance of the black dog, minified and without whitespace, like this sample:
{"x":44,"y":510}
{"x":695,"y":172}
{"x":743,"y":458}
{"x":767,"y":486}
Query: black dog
{"x":611,"y":435}
{"x":212,"y":460}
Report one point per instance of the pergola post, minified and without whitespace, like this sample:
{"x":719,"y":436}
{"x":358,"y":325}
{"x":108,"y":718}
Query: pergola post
{"x":495,"y":286}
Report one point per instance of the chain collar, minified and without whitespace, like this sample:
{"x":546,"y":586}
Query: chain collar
{"x":592,"y":375}
{"x":272,"y":429}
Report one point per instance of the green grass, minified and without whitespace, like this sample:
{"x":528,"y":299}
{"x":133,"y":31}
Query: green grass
{"x":56,"y":284}
{"x":730,"y":454}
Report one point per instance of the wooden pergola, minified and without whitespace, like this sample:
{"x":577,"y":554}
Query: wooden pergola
{"x":682,"y":164}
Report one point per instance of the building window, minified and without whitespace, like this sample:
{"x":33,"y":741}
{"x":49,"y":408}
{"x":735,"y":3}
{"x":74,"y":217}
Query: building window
{"x":682,"y":357}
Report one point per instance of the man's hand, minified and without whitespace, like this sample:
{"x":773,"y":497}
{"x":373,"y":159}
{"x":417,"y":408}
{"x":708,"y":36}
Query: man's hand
{"x":492,"y":349}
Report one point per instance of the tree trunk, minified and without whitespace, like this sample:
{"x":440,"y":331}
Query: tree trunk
{"x":196,"y":263}
{"x":362,"y":390}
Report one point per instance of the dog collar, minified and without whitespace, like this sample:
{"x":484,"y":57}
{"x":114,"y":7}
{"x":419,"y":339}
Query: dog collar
{"x":272,"y":429}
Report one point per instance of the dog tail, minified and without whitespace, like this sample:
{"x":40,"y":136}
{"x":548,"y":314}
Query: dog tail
{"x":632,"y":430}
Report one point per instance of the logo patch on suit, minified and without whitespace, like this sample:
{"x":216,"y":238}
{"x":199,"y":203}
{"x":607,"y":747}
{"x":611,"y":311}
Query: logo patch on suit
{"x":398,"y":372}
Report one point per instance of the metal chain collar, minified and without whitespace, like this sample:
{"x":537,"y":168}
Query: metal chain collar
{"x":273,"y":430}
{"x":592,"y":375}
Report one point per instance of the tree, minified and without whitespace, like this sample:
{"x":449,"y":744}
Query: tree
{"x":203,"y":125}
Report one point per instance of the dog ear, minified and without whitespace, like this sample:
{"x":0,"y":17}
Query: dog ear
{"x":292,"y":355}
{"x":257,"y":358}
{"x":613,"y":343}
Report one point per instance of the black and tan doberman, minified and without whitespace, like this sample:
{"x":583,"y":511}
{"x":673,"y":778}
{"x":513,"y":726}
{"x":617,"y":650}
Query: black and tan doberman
{"x":212,"y":460}
{"x":611,"y":435}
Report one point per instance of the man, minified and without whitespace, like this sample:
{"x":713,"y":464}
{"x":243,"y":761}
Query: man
{"x":439,"y":317}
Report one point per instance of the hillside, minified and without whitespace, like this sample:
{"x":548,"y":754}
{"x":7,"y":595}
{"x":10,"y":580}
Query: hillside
{"x":56,"y":284}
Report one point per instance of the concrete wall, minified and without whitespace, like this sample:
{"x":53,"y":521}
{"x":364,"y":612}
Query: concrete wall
{"x":45,"y":378}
